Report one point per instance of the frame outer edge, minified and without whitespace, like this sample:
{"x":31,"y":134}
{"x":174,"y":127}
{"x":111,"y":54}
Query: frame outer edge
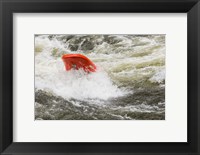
{"x":198,"y":50}
{"x":1,"y":78}
{"x":6,"y":80}
{"x":2,"y":147}
{"x":193,"y":77}
{"x":113,"y":1}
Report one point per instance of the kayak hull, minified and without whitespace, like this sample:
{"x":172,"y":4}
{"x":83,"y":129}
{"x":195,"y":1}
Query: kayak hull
{"x":78,"y":61}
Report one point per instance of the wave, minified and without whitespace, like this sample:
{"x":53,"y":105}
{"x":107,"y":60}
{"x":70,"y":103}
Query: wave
{"x":75,"y":83}
{"x":130,"y":77}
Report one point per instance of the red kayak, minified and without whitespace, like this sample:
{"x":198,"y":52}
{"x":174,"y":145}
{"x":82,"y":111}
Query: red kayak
{"x":77,"y":61}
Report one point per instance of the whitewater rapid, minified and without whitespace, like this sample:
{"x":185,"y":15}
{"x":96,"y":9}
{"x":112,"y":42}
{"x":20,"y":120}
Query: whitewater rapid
{"x":130,"y":75}
{"x":50,"y":75}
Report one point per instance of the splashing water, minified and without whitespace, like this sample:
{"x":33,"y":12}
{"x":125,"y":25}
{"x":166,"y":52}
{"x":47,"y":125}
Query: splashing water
{"x":75,"y":83}
{"x":130,"y":73}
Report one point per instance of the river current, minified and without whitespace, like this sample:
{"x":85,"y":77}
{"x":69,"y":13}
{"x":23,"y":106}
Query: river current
{"x":129,"y":83}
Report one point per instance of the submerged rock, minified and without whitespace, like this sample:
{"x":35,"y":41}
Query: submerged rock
{"x":73,"y":47}
{"x":87,"y":45}
{"x":64,"y":38}
{"x":75,"y":40}
{"x":111,"y":39}
{"x":51,"y":37}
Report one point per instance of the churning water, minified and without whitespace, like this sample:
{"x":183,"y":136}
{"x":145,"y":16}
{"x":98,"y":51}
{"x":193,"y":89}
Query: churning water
{"x":129,"y":82}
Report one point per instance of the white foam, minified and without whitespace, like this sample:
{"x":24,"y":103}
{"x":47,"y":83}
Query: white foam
{"x":48,"y":45}
{"x":75,"y":83}
{"x":141,"y":108}
{"x":159,"y":77}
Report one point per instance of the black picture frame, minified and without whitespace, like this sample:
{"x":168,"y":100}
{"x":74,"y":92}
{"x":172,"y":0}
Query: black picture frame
{"x":8,"y":7}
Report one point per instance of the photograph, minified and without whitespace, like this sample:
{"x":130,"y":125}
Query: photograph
{"x":99,"y":76}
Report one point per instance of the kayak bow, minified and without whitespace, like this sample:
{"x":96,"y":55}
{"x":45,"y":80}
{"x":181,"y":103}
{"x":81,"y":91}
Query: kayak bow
{"x":77,"y":61}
